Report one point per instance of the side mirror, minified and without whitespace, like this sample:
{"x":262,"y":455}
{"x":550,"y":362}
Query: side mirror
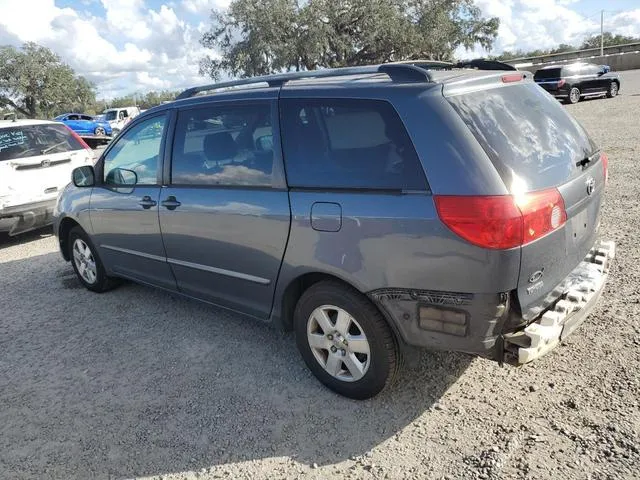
{"x":84,"y":176}
{"x":121,"y":177}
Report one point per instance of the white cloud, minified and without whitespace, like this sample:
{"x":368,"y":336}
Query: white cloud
{"x":534,"y":24}
{"x":131,"y":49}
{"x":203,"y":7}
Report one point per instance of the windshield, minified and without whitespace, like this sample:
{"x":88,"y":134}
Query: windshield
{"x":111,"y":115}
{"x":530,"y":138}
{"x":32,"y":140}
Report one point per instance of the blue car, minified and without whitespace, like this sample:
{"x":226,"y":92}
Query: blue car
{"x":85,"y":124}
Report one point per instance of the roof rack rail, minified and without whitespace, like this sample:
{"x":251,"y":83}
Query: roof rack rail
{"x":426,"y":64}
{"x":397,"y":73}
{"x":479,"y":63}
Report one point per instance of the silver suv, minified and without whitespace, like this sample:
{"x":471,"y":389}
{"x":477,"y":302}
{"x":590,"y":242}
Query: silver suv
{"x":367,"y":209}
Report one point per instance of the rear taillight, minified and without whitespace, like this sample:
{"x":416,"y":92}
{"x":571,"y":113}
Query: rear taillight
{"x":80,"y":140}
{"x":561,"y":83}
{"x":605,"y":166}
{"x":504,"y":221}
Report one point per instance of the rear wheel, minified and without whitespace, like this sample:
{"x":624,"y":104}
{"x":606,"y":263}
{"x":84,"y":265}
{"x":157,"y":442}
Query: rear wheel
{"x":345,"y":341}
{"x":613,"y":90}
{"x":99,"y":131}
{"x":574,"y":95}
{"x":87,"y":263}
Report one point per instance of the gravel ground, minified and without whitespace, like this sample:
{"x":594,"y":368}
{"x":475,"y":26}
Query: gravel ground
{"x":138,"y":383}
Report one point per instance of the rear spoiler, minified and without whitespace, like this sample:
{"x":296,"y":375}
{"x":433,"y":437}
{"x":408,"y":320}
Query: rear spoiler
{"x":466,"y":84}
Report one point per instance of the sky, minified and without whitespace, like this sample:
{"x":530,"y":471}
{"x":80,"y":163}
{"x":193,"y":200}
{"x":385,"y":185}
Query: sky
{"x":134,"y":46}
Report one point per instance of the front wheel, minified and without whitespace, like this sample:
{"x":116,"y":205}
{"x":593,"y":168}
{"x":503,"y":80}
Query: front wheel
{"x":100,"y":131}
{"x":574,"y":95}
{"x":345,"y":341}
{"x":87,"y":263}
{"x":613,"y":90}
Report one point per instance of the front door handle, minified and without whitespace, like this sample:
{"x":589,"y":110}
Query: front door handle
{"x":147,"y":202}
{"x":170,"y":203}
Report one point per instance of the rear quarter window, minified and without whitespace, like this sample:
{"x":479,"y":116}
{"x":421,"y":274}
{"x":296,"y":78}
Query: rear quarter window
{"x":33,"y":140}
{"x":348,"y":143}
{"x":533,"y":142}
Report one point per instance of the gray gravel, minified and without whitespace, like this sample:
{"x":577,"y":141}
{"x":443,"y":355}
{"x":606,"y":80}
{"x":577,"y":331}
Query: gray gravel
{"x":138,"y":383}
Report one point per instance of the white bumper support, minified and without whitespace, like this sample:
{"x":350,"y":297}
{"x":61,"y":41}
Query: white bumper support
{"x":586,"y":283}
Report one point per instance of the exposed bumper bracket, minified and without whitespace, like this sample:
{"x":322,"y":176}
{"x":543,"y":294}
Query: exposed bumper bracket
{"x":585,"y":284}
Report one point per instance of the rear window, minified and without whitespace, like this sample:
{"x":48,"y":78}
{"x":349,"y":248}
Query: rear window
{"x":33,"y":140}
{"x":547,"y":74}
{"x":530,"y":138}
{"x":348,"y":143}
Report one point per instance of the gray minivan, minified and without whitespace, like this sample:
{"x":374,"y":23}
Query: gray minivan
{"x":366,"y":208}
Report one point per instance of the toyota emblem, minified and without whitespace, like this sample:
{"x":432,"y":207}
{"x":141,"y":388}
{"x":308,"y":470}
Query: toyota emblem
{"x":45,"y":163}
{"x":591,"y":185}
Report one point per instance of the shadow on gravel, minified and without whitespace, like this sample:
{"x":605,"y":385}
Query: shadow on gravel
{"x":24,"y":238}
{"x":139,"y":382}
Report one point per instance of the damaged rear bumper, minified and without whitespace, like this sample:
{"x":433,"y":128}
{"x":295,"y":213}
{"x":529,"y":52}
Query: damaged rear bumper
{"x":585,"y":285}
{"x":17,"y":219}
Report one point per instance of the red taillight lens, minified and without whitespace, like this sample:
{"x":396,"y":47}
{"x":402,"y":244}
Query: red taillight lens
{"x":489,"y":222}
{"x":80,"y":140}
{"x":501,"y":222}
{"x":605,"y":165}
{"x":561,"y":83}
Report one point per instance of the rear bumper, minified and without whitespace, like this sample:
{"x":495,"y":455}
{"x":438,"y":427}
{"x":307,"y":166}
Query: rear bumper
{"x":585,"y":285}
{"x":18,"y":219}
{"x":487,"y":325}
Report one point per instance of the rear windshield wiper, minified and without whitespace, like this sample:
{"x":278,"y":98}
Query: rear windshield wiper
{"x":52,"y":147}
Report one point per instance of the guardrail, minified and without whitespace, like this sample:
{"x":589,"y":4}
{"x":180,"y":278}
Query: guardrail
{"x":576,"y":54}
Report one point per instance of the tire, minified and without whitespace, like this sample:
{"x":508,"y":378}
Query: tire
{"x":574,"y":95}
{"x":100,"y":131}
{"x":353,"y":326}
{"x":86,"y":262}
{"x":613,"y":89}
{"x":115,"y":132}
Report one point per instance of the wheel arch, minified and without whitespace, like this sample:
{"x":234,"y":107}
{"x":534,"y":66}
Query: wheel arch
{"x":285,"y":302}
{"x":66,"y":224}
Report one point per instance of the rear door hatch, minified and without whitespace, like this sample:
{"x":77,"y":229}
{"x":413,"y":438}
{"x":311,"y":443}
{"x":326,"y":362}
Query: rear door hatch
{"x":549,"y":78}
{"x":536,"y":146}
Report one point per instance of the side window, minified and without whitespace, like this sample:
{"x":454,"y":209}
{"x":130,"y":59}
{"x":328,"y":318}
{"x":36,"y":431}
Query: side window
{"x":138,"y":150}
{"x":223,"y":145}
{"x":348,"y":144}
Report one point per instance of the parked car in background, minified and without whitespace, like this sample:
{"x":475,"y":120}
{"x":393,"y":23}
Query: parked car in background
{"x":424,"y":207}
{"x":85,"y":124}
{"x":572,"y":82}
{"x":36,"y":161}
{"x":119,"y":117}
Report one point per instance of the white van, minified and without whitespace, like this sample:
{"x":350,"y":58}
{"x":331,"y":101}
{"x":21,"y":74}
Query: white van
{"x":119,"y":117}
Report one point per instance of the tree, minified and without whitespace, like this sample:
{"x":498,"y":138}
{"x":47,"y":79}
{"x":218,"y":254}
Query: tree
{"x":144,"y":101}
{"x":256,"y":37}
{"x":35,"y":82}
{"x":609,"y":40}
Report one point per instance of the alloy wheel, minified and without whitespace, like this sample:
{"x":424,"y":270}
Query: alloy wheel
{"x":338,"y":343}
{"x":84,"y":261}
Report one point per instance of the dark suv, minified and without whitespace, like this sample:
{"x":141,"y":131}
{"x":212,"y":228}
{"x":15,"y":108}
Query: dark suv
{"x":572,"y":82}
{"x":366,"y":208}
